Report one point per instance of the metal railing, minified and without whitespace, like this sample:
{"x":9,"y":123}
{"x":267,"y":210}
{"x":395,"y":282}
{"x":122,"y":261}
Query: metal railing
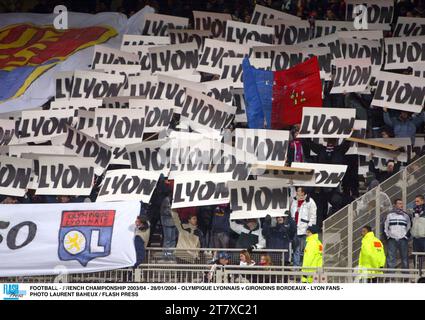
{"x":207,"y":255}
{"x":189,"y":273}
{"x":342,"y":231}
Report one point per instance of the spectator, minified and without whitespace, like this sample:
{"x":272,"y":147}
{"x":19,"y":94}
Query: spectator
{"x":220,"y":229}
{"x":245,"y":259}
{"x":281,"y":234}
{"x":372,"y":253}
{"x":381,"y":175}
{"x":250,"y":235}
{"x":142,"y":232}
{"x":332,"y":153}
{"x":405,"y":125}
{"x":397,"y":226}
{"x":313,"y":253}
{"x":418,"y":225}
{"x":303,"y":211}
{"x":9,"y":200}
{"x":190,"y":236}
{"x":223,"y":259}
{"x":169,"y":230}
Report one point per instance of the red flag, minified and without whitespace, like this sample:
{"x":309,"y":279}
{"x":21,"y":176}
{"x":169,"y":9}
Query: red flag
{"x":294,"y":89}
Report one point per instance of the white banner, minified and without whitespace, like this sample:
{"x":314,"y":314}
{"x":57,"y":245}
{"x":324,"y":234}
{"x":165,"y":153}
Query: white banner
{"x":130,"y":42}
{"x":178,"y":36}
{"x":15,"y":175}
{"x":44,"y":239}
{"x":258,"y":198}
{"x":158,"y":24}
{"x":400,"y":92}
{"x":42,"y":125}
{"x":261,"y":13}
{"x":193,"y":190}
{"x":158,"y":113}
{"x":76,"y":103}
{"x":63,"y":83}
{"x":7,"y":132}
{"x":327,"y":175}
{"x":268,"y":146}
{"x":351,"y":75}
{"x":213,"y":22}
{"x":140,"y":86}
{"x":240,"y":32}
{"x":409,"y":27}
{"x":289,"y":32}
{"x":178,"y":57}
{"x":94,"y":84}
{"x":402,"y":52}
{"x":379,"y":12}
{"x":128,"y":185}
{"x":327,"y":123}
{"x":215,"y":51}
{"x":107,"y":55}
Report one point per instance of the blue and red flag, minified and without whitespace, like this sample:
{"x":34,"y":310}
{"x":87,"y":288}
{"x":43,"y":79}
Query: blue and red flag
{"x":275,"y":99}
{"x":27,"y":51}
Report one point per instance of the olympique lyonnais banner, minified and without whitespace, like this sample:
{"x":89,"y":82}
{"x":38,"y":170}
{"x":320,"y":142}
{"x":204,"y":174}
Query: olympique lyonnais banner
{"x":327,"y":175}
{"x":239,"y":103}
{"x":409,"y":27}
{"x":158,"y":24}
{"x":205,"y":114}
{"x":130,"y":42}
{"x":93,"y":84}
{"x":70,"y":176}
{"x":242,"y":32}
{"x":331,"y":41}
{"x":402,"y":52}
{"x":174,"y":57}
{"x":289,"y":32}
{"x":398,"y":91}
{"x":128,"y":185}
{"x":106,"y":55}
{"x":7,"y":132}
{"x":325,"y":27}
{"x":379,"y":12}
{"x":327,"y":123}
{"x":158,"y":113}
{"x":48,"y":239}
{"x":355,"y":48}
{"x":258,"y":198}
{"x":42,"y":125}
{"x":262,"y":13}
{"x":419,"y":70}
{"x":140,"y":86}
{"x":14,"y":175}
{"x":200,"y":190}
{"x":215,"y":51}
{"x":213,"y":22}
{"x":268,"y":146}
{"x":351,"y":75}
{"x":20,"y":65}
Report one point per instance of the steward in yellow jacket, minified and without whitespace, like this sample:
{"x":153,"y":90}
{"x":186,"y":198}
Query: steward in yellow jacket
{"x":372,"y":254}
{"x":313,"y":254}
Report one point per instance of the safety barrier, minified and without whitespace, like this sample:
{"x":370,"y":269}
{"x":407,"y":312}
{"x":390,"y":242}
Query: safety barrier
{"x":342,"y":231}
{"x":207,"y":255}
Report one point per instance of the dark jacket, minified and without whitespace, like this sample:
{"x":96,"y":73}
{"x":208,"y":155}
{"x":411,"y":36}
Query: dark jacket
{"x":279,"y":236}
{"x":291,"y":153}
{"x":382,"y":175}
{"x":221,"y":221}
{"x":323,"y":156}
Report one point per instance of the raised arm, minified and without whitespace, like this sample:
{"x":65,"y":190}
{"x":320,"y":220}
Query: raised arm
{"x":238,"y":228}
{"x":177,"y":221}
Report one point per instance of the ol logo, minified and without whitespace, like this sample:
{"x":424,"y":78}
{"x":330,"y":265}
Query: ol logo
{"x":85,"y":235}
{"x":12,"y":292}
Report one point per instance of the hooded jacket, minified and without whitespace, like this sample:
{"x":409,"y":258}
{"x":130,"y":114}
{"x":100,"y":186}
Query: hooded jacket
{"x":313,"y":256}
{"x":325,"y":154}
